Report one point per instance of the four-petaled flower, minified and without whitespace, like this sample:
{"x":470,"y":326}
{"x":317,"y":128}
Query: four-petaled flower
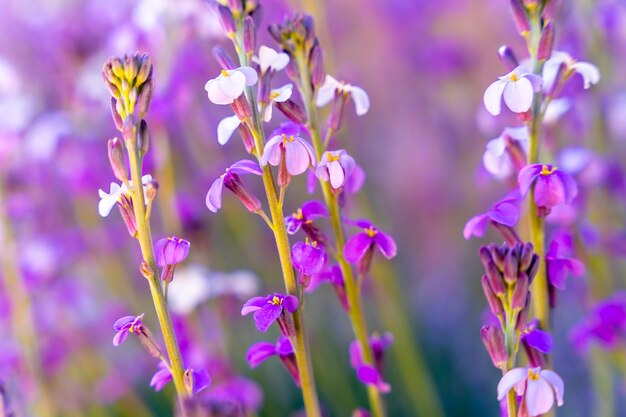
{"x":230,"y":179}
{"x":116,"y":194}
{"x":308,"y":258}
{"x":171,"y":250}
{"x":261,"y":351}
{"x":331,"y":87}
{"x":538,"y":388}
{"x":297,"y":152}
{"x":552,"y":186}
{"x":125,"y":326}
{"x":517,"y":87}
{"x":305,"y":215}
{"x":589,"y":72}
{"x":559,"y":266}
{"x":277,"y":95}
{"x":270,"y":59}
{"x":371,"y":374}
{"x":230,"y":84}
{"x":269,"y":309}
{"x":504,"y":212}
{"x":371,"y":237}
{"x":336,"y":167}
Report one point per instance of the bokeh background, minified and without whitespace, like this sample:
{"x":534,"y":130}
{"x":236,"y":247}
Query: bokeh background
{"x":425,"y":65}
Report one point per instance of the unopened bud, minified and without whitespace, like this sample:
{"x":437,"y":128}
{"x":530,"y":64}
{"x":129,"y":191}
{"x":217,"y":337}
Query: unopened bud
{"x":520,"y":292}
{"x":149,"y":342}
{"x":317,"y":67}
{"x":235,"y":6}
{"x":293,"y":112}
{"x":265,"y":87}
{"x":131,"y":67}
{"x":335,"y":119}
{"x":292,"y":71}
{"x":117,"y":119}
{"x":145,"y":70}
{"x":145,"y":97}
{"x":223,"y":59}
{"x":511,"y":268}
{"x":226,"y":18}
{"x":116,"y":67}
{"x":552,"y":90}
{"x":361,"y":413}
{"x":493,"y":339}
{"x":241,"y":107}
{"x":494,"y":303}
{"x":125,"y":206}
{"x":508,"y":58}
{"x":526,"y":256}
{"x":522,"y":317}
{"x":249,"y":36}
{"x":116,"y":158}
{"x":546,"y":42}
{"x":533,"y":268}
{"x":144,"y":137}
{"x":113,"y":90}
{"x":496,"y":281}
{"x":188,"y":380}
{"x":145,"y":270}
{"x":499,"y":254}
{"x":246,"y":137}
{"x":285,"y":323}
{"x":520,"y":16}
{"x":151,"y":189}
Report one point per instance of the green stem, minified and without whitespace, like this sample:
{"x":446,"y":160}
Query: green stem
{"x":144,"y":236}
{"x":353,"y":290}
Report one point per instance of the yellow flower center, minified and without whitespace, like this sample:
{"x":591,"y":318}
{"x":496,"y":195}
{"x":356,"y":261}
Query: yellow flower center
{"x":513,"y":77}
{"x":331,"y":157}
{"x":371,"y":232}
{"x":274,"y":94}
{"x":312,"y":243}
{"x":276,"y":301}
{"x":287,"y":139}
{"x":546,"y":170}
{"x":298,"y":214}
{"x":225,"y":73}
{"x":532,"y":375}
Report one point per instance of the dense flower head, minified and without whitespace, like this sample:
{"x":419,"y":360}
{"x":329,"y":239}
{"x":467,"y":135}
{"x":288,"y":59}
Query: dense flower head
{"x":359,"y":248}
{"x":518,"y":88}
{"x":230,"y":179}
{"x":332,"y":88}
{"x":335,"y":167}
{"x":171,"y":250}
{"x":605,"y":324}
{"x":371,"y":374}
{"x":269,"y":309}
{"x":538,"y":388}
{"x":230,"y":84}
{"x":129,"y":80}
{"x":552,"y":185}
{"x":298,"y":153}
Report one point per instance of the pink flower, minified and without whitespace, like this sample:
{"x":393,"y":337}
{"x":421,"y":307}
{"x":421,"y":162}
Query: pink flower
{"x":552,"y":186}
{"x":518,"y":88}
{"x":297,"y":152}
{"x":537,"y":387}
{"x":336,"y":167}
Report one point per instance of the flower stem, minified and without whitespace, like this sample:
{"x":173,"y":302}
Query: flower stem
{"x":144,"y":236}
{"x":353,"y":290}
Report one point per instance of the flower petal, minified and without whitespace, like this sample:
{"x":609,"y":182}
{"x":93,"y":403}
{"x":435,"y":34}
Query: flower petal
{"x":335,"y":174}
{"x":327,"y":91}
{"x":476,"y":226}
{"x":226,"y":127}
{"x":527,"y":176}
{"x":509,"y":380}
{"x":232,"y":86}
{"x":505,"y":213}
{"x":213,"y":198}
{"x":297,"y":157}
{"x":589,"y":72}
{"x":493,"y":97}
{"x":215,"y":93}
{"x":356,"y":247}
{"x":549,"y":191}
{"x":386,"y":244}
{"x":518,"y":95}
{"x":290,"y":303}
{"x":271,"y":152}
{"x":253,"y":304}
{"x":259,"y":352}
{"x":250,"y":75}
{"x":361,"y":100}
{"x":539,"y":397}
{"x":267,"y":315}
{"x":557,"y":384}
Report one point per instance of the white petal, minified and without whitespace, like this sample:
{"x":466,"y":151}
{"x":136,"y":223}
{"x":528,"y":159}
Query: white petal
{"x":232,"y":86}
{"x":280,"y":62}
{"x":267,"y":114}
{"x":266,"y":57}
{"x":283,"y":93}
{"x":499,"y":166}
{"x":509,"y":380}
{"x":327,"y":91}
{"x":557,"y":384}
{"x":226,"y":128}
{"x":556,"y":108}
{"x":336,"y":174}
{"x":518,"y":95}
{"x":215,"y":94}
{"x":539,"y":397}
{"x":493,"y":97}
{"x":361,"y":100}
{"x":518,"y":133}
{"x":250,"y":74}
{"x":589,"y":72}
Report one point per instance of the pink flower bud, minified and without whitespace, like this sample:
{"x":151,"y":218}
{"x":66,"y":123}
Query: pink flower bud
{"x":546,"y":42}
{"x":520,"y":16}
{"x":116,"y":158}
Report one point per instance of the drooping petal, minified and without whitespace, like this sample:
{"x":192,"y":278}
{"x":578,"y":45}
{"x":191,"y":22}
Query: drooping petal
{"x":557,"y":384}
{"x":245,"y":166}
{"x":283,"y":346}
{"x":271,"y":152}
{"x":290,"y":303}
{"x":493,"y":97}
{"x":505,"y":213}
{"x":356,"y":247}
{"x":264,"y":317}
{"x":124,"y":322}
{"x":335,"y":174}
{"x":535,"y":80}
{"x":386,"y":244}
{"x":253,"y":304}
{"x":539,"y":397}
{"x":527,"y":176}
{"x":476,"y":226}
{"x":518,"y":95}
{"x":361,"y":100}
{"x":160,"y":379}
{"x":201,"y":380}
{"x":225,"y":129}
{"x":214,"y":196}
{"x":540,"y":340}
{"x":327,"y":91}
{"x":570,"y":187}
{"x":509,"y":380}
{"x":549,"y":191}
{"x":233,"y":85}
{"x":120,"y":337}
{"x":250,"y":74}
{"x":259,"y":352}
{"x":589,"y":72}
{"x":215,"y":93}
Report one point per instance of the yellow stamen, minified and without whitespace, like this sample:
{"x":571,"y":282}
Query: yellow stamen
{"x":276,"y":301}
{"x":225,"y":73}
{"x":546,"y":170}
{"x":298,"y":215}
{"x":274,"y":94}
{"x":532,"y":375}
{"x":513,"y":77}
{"x":371,"y":232}
{"x":331,"y":157}
{"x":287,"y":139}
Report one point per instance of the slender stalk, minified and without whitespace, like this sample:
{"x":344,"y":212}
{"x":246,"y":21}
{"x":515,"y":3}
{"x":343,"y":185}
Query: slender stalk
{"x":301,"y":346}
{"x":144,"y":236}
{"x":353,"y":290}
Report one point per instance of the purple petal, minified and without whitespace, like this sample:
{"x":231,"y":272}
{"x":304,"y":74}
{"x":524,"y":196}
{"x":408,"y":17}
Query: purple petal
{"x":297,"y":157}
{"x":476,"y":226}
{"x":283,"y":346}
{"x":355,"y":180}
{"x":119,"y":337}
{"x":356,"y":247}
{"x":253,"y":304}
{"x":272,"y":152}
{"x":160,"y":379}
{"x":259,"y":352}
{"x":124,"y":322}
{"x":245,"y":166}
{"x":290,"y":303}
{"x":570,"y":187}
{"x":526,"y":176}
{"x":540,"y":340}
{"x":549,"y":191}
{"x":386,"y":244}
{"x":313,"y":209}
{"x":267,"y":315}
{"x":505,"y":213}
{"x":201,"y":380}
{"x":214,"y":196}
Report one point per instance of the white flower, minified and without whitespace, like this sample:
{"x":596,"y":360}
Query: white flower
{"x":496,"y":158}
{"x":556,"y":108}
{"x":230,"y":84}
{"x":517,"y":88}
{"x":538,"y":387}
{"x":327,"y":92}
{"x":277,"y":95}
{"x":269,"y":58}
{"x":589,"y":72}
{"x":116,"y":191}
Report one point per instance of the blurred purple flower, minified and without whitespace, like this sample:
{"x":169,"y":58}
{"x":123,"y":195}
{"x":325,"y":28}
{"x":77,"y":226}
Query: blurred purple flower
{"x":498,"y":160}
{"x":589,"y":72}
{"x":261,"y":351}
{"x":517,"y":87}
{"x":559,"y":267}
{"x":505,"y":212}
{"x":229,"y":85}
{"x":161,"y":377}
{"x":358,"y":246}
{"x":230,"y":179}
{"x":336,"y":167}
{"x":552,"y":186}
{"x":371,"y":374}
{"x":606,"y":323}
{"x":538,"y":388}
{"x":298,"y":153}
{"x":537,"y":338}
{"x":197,"y":379}
{"x":269,"y":309}
{"x":125,"y":326}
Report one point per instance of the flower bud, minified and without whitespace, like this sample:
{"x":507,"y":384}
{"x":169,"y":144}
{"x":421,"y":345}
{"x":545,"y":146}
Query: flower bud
{"x":546,"y":42}
{"x":335,"y":119}
{"x":493,"y":339}
{"x":520,"y":292}
{"x":235,"y":6}
{"x":145,"y":70}
{"x":508,"y":58}
{"x":494,"y":303}
{"x":116,"y":67}
{"x":522,"y":317}
{"x":131,"y":67}
{"x":316,"y":63}
{"x":144,"y":137}
{"x":265,"y":87}
{"x":226,"y":18}
{"x":520,"y":16}
{"x":293,"y":112}
{"x":249,"y":36}
{"x":223,"y":59}
{"x":533,"y":268}
{"x":526,"y":256}
{"x":116,"y":159}
{"x":246,"y":137}
{"x":285,"y":323}
{"x":129,"y":131}
{"x":234,"y":184}
{"x":511,"y":267}
{"x":241,"y":107}
{"x":145,"y":97}
{"x":149,"y":342}
{"x":496,"y":281}
{"x":151,"y":189}
{"x":145,"y":270}
{"x":289,"y":361}
{"x":125,"y":206}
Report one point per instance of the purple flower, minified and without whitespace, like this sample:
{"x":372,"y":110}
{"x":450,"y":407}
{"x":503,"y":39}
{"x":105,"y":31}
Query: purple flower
{"x":269,"y":309}
{"x":261,"y":351}
{"x":606,"y":323}
{"x":552,"y":186}
{"x":371,"y":374}
{"x":360,"y":246}
{"x":297,"y":152}
{"x":332,"y":88}
{"x":230,"y":179}
{"x":171,"y":250}
{"x":538,"y":388}
{"x":125,"y":326}
{"x":537,"y":343}
{"x":196,"y":380}
{"x":504,"y":212}
{"x":517,"y":87}
{"x":308,"y":258}
{"x":336,"y":167}
{"x":559,"y":267}
{"x":161,"y":377}
{"x":304,"y":216}
{"x":589,"y":72}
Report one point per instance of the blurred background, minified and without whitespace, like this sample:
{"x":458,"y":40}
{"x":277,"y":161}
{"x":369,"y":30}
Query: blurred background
{"x":425,"y":65}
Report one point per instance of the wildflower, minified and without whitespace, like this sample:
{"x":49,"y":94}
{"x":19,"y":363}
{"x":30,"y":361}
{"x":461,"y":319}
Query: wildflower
{"x":333,"y":88}
{"x":226,"y":127}
{"x":336,"y":167}
{"x":278,"y":95}
{"x":559,"y":267}
{"x":537,"y":343}
{"x":552,"y":74}
{"x":297,"y":152}
{"x":308,"y":258}
{"x":125,"y":326}
{"x":517,"y":87}
{"x":360,"y":247}
{"x":270,"y":59}
{"x":303,"y":218}
{"x":504,"y":212}
{"x":116,"y":194}
{"x":552,"y":186}
{"x":269,"y":309}
{"x":506,"y":153}
{"x":371,"y":374}
{"x":196,"y":380}
{"x":606,"y":324}
{"x":169,"y":252}
{"x":261,"y":351}
{"x":230,"y":84}
{"x":230,"y":179}
{"x":538,"y":387}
